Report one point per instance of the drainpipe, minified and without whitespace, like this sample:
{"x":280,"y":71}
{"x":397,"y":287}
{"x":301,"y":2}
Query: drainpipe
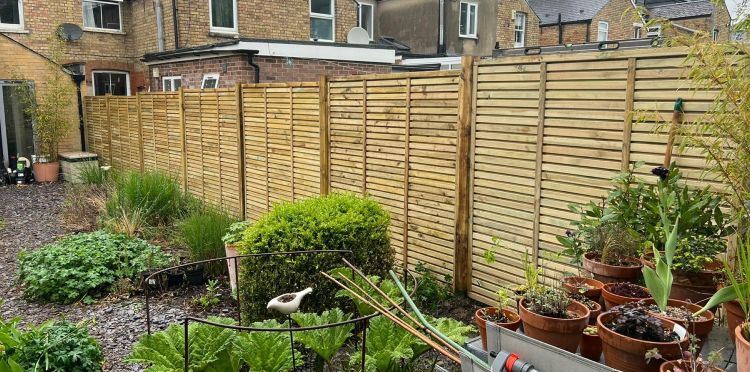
{"x":359,"y":20}
{"x":159,"y":25}
{"x":79,"y":79}
{"x":255,"y":65}
{"x":176,"y":25}
{"x":441,"y":27}
{"x":559,"y":29}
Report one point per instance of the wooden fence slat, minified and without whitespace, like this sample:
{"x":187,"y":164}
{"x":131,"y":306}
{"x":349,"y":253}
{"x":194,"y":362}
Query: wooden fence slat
{"x":539,"y":160}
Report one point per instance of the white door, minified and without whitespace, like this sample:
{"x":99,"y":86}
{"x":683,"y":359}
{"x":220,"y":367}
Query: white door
{"x":16,"y":129}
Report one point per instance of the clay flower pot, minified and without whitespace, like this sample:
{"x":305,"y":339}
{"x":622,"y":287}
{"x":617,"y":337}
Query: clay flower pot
{"x":700,"y":329}
{"x":611,"y":299}
{"x":610,"y":273}
{"x":595,"y":314}
{"x":591,"y":347}
{"x":682,"y":365}
{"x":482,"y":323}
{"x":46,"y":172}
{"x":573,"y":283}
{"x":694,"y":287}
{"x":628,"y":354}
{"x":735,"y":317}
{"x":231,"y":251}
{"x":743,"y":350}
{"x":562,"y":333}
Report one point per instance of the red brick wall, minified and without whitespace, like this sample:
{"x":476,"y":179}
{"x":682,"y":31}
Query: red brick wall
{"x":620,"y":15}
{"x":272,"y":70}
{"x":506,"y":24}
{"x":572,"y":33}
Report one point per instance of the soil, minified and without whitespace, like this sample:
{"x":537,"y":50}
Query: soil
{"x":629,"y":290}
{"x":584,"y":300}
{"x":678,"y":313}
{"x":615,"y":261}
{"x":496,"y":318}
{"x":287,"y":298}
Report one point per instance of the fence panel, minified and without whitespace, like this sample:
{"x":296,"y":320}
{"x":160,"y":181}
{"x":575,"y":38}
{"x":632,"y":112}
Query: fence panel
{"x":97,"y":127}
{"x":161,"y":130}
{"x":212,"y":147}
{"x":125,"y":133}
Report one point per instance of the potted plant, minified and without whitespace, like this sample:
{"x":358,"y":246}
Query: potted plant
{"x":612,"y":251}
{"x":502,"y":315}
{"x":628,"y":332}
{"x":578,"y":284}
{"x":231,"y":239}
{"x":616,"y":294}
{"x":548,"y":315}
{"x":689,"y":361}
{"x":591,"y":344}
{"x":594,"y":307}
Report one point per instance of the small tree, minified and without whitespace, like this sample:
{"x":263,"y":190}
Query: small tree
{"x":49,"y":104}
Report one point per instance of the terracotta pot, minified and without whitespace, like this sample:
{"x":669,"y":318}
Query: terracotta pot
{"x":231,"y":251}
{"x":610,"y":273}
{"x":684,"y":366}
{"x":700,"y":329}
{"x":743,"y":351}
{"x":46,"y":172}
{"x":735,"y":317}
{"x":562,"y":333}
{"x":591,"y":347}
{"x":595,"y":314}
{"x":628,"y":354}
{"x":482,"y":323}
{"x":572,"y":283}
{"x":611,"y":300}
{"x":694,"y":287}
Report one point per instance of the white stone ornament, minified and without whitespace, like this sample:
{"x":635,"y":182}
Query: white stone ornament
{"x":288,"y":302}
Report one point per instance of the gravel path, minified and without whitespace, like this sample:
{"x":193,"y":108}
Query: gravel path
{"x":31,"y":219}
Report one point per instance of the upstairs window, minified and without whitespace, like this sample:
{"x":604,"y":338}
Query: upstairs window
{"x":322,"y":20}
{"x":654,"y":31}
{"x":11,"y":14}
{"x":171,"y":83}
{"x":367,"y":17}
{"x":210,"y":81}
{"x":102,"y":15}
{"x":111,"y":82}
{"x":467,"y":25}
{"x":520,"y":30}
{"x":223,"y":14}
{"x":715,"y":34}
{"x":603,"y":32}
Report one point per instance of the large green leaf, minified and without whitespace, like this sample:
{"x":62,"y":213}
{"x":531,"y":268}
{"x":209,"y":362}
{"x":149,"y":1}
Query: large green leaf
{"x":388,"y":346}
{"x":723,"y":295}
{"x":455,"y":330}
{"x":325,"y":342}
{"x":265,"y":351}
{"x":387,"y":286}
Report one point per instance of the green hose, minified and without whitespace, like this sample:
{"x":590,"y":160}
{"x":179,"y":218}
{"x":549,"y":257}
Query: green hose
{"x":429,"y":326}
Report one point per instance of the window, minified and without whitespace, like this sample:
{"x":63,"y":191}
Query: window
{"x":467,"y":25}
{"x":603,"y":32}
{"x":210,"y":81}
{"x":223,"y":14}
{"x":111,"y":82}
{"x":322,"y":20}
{"x":520,"y":30}
{"x":171,"y":83}
{"x":11,"y":14}
{"x":367,"y":16}
{"x":654,"y":31}
{"x":636,"y":33}
{"x":715,"y":34}
{"x":102,"y":15}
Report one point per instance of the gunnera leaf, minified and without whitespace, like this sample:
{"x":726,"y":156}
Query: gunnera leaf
{"x":325,"y":342}
{"x":265,"y":351}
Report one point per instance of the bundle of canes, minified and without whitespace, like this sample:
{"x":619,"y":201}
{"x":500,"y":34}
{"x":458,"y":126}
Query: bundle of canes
{"x":679,"y":110}
{"x":412,"y":325}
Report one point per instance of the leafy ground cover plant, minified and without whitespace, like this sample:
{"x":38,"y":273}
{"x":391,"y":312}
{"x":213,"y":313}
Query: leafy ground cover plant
{"x":430,"y":291}
{"x":235,"y":232}
{"x":59,"y":346}
{"x":337,"y":221}
{"x":324,"y":342}
{"x":696,"y":252}
{"x":202,"y":231}
{"x":10,"y":338}
{"x":635,"y":322}
{"x":83,"y":265}
{"x":212,"y":297}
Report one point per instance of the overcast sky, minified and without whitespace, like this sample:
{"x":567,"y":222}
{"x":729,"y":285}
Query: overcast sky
{"x":732,"y":4}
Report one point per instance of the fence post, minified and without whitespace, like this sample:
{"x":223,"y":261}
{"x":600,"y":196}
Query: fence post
{"x":140,"y":131}
{"x":462,"y":250}
{"x":407,"y":140}
{"x":241,"y":148}
{"x":325,"y":144}
{"x":627,"y":131}
{"x":183,"y":138}
{"x":109,"y":129}
{"x":539,"y":161}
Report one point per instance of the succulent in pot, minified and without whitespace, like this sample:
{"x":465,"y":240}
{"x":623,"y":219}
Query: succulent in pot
{"x":548,"y":315}
{"x":616,"y":294}
{"x":591,"y":344}
{"x":501,"y":315}
{"x":628,"y":332}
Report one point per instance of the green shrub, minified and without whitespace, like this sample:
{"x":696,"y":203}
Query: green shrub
{"x":338,"y":221}
{"x":202,"y":232}
{"x":60,"y":346}
{"x":234,"y":233}
{"x":83,"y":264}
{"x":155,"y":197}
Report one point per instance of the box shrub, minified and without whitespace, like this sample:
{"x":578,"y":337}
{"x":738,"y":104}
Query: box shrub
{"x":338,"y":221}
{"x":84,"y":264}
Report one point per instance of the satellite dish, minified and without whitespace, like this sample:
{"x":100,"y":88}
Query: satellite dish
{"x":70,"y":32}
{"x":358,"y":35}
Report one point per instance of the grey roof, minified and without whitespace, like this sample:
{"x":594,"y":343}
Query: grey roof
{"x":571,"y":10}
{"x":681,"y":9}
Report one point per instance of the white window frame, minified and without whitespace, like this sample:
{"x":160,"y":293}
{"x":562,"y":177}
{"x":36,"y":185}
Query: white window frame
{"x":469,"y":4}
{"x":654,"y":31}
{"x":210,"y":76}
{"x":171,"y":79}
{"x":127,"y":79}
{"x":12,"y":26}
{"x":371,"y":27}
{"x":605,"y":30}
{"x":331,"y":16}
{"x":222,"y":30}
{"x":715,"y":34}
{"x":101,"y":29}
{"x":522,"y":44}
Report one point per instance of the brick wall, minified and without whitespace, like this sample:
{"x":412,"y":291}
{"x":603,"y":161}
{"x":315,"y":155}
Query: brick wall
{"x":505,"y":33}
{"x":235,"y":69}
{"x":572,"y":33}
{"x":620,"y":15}
{"x":17,"y":62}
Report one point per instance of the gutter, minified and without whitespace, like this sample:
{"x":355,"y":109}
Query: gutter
{"x":79,"y":79}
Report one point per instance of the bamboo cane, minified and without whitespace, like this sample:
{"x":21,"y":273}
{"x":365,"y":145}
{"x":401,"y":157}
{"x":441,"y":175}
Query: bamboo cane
{"x":676,"y":120}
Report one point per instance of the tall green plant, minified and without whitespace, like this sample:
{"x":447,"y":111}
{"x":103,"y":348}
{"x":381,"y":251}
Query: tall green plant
{"x":155,"y":196}
{"x":202,"y":232}
{"x":659,"y":281}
